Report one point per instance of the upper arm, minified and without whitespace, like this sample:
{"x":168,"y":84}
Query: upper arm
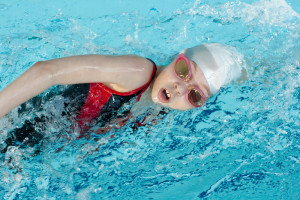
{"x":126,"y":72}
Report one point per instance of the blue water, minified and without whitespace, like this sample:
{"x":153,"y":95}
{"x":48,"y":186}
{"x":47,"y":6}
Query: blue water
{"x":244,"y":145}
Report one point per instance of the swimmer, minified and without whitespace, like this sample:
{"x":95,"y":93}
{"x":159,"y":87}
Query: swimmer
{"x":104,"y":83}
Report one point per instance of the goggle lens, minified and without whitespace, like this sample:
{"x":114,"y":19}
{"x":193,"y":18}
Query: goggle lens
{"x":195,"y":98}
{"x":181,"y":69}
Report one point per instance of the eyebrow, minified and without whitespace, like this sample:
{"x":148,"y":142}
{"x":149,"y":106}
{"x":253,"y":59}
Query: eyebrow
{"x":193,"y":67}
{"x":194,"y":70}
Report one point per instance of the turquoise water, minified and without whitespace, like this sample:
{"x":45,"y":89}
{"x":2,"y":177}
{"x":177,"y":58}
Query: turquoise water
{"x":244,"y":145}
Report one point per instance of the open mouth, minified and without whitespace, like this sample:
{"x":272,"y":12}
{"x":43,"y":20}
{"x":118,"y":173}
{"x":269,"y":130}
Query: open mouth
{"x":164,"y":95}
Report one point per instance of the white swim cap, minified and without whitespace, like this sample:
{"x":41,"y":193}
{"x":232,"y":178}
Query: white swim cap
{"x":220,"y":63}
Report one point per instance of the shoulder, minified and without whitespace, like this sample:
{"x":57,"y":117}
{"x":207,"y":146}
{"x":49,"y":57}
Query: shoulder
{"x":138,"y":62}
{"x":137,"y":71}
{"x":145,"y":68}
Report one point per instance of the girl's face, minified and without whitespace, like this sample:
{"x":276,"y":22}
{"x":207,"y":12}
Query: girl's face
{"x":171,"y":91}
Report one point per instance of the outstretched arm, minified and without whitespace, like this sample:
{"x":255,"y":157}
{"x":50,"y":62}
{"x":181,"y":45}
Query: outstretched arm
{"x":122,"y":73}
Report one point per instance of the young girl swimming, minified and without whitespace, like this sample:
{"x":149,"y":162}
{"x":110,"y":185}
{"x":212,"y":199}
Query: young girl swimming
{"x":186,"y":83}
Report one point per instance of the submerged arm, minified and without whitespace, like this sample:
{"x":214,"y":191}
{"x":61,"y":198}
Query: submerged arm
{"x":124,"y":73}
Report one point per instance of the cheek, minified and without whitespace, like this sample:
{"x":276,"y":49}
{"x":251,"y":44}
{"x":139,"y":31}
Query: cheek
{"x":162,"y":80}
{"x":168,"y":72}
{"x":181,"y":103}
{"x":154,"y":92}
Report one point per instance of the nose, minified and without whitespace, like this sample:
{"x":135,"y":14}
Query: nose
{"x":180,"y":88}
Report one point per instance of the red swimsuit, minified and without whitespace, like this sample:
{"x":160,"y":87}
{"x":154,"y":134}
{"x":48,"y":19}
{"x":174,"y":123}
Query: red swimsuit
{"x":102,"y":99}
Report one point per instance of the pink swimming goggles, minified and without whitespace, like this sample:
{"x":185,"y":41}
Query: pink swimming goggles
{"x":183,"y":71}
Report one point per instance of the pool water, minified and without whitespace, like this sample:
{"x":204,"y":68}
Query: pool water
{"x":244,"y":145}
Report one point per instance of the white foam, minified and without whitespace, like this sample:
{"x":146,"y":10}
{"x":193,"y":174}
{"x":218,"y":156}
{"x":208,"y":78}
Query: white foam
{"x":273,"y":12}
